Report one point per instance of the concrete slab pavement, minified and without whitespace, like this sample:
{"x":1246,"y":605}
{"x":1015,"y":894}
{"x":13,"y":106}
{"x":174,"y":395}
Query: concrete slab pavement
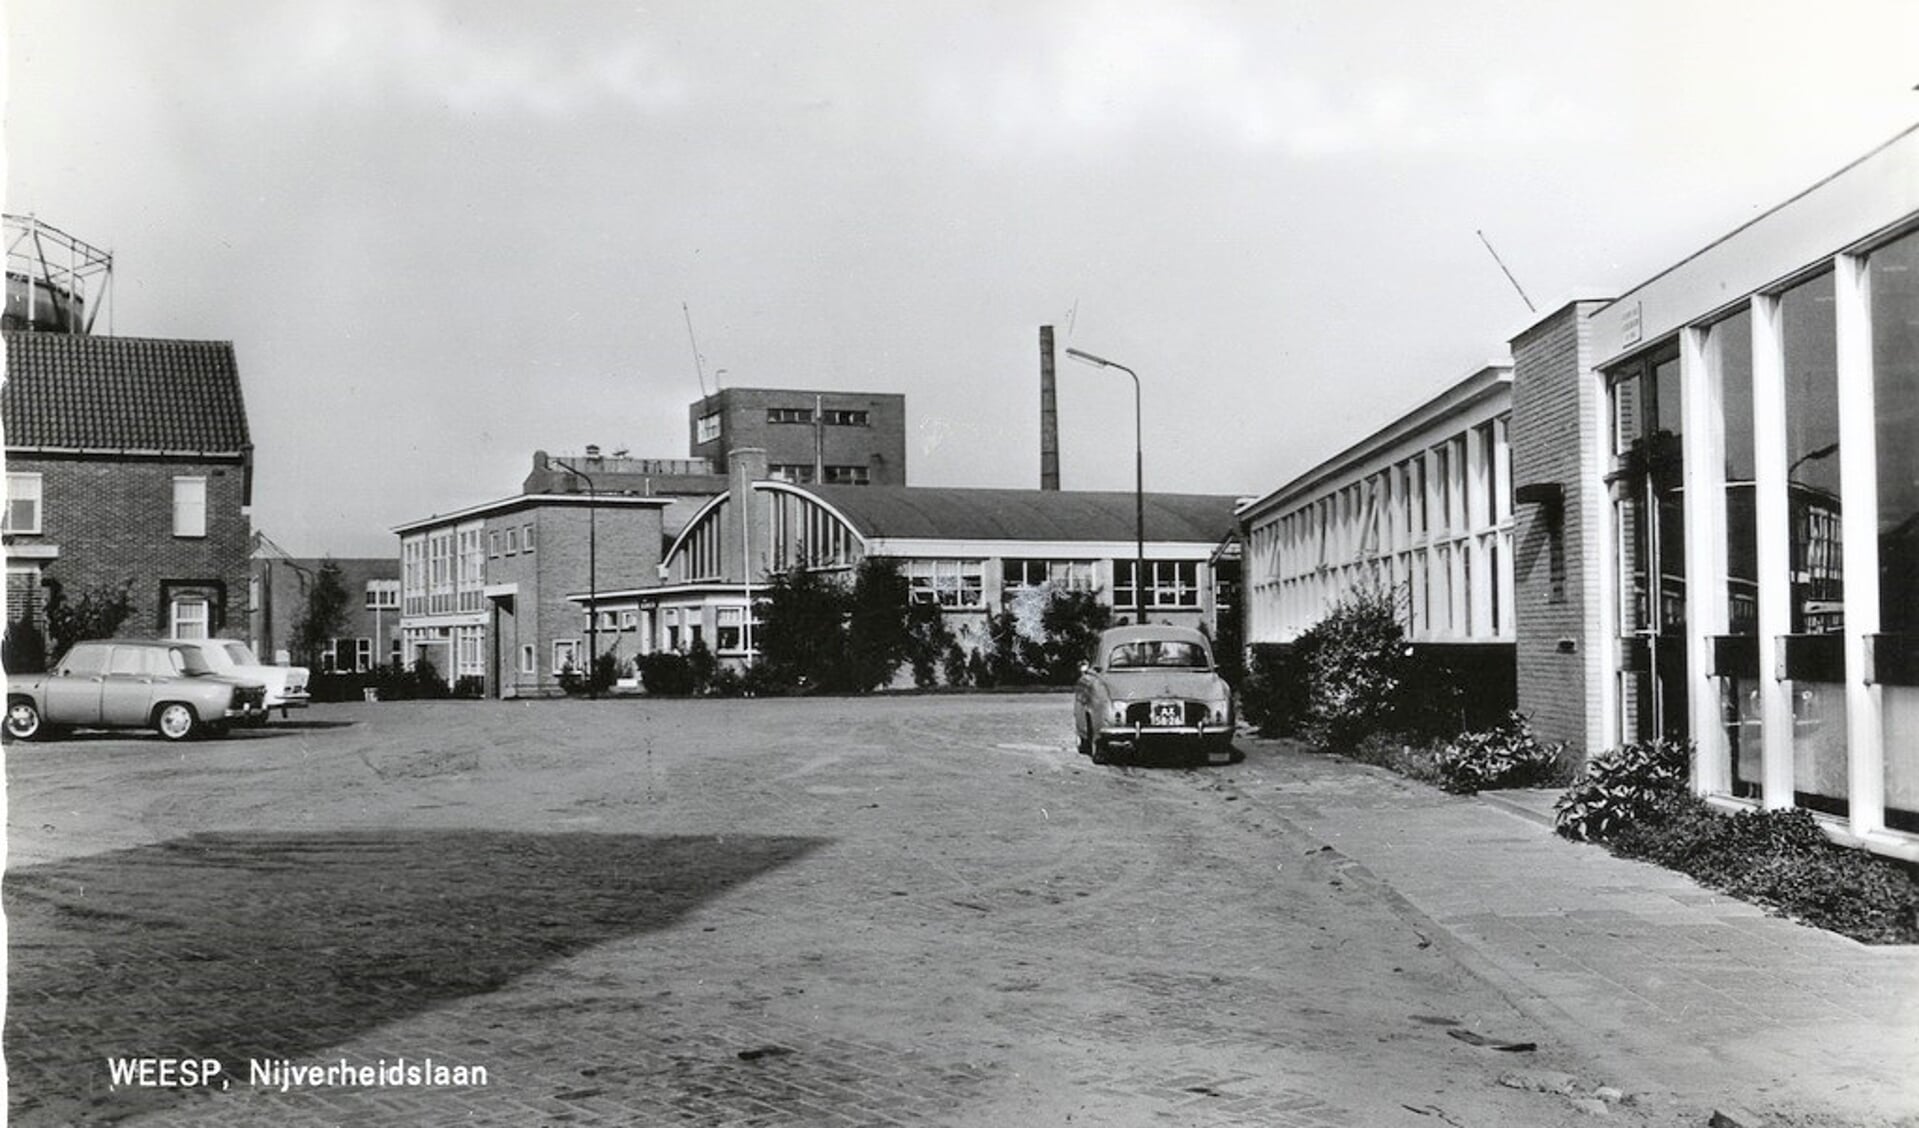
{"x":1683,"y":987}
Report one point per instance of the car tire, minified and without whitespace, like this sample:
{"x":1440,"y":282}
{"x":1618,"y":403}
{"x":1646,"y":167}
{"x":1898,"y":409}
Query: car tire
{"x":24,"y":721}
{"x":1084,"y":740}
{"x":176,"y":721}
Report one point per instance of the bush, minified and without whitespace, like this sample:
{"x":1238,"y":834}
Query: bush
{"x":1780,"y":859}
{"x":1621,"y":787}
{"x":1355,"y":662}
{"x":1398,"y":752}
{"x":1273,"y":694}
{"x":667,"y":674}
{"x":24,"y":650}
{"x":954,"y":665}
{"x":1507,"y":756}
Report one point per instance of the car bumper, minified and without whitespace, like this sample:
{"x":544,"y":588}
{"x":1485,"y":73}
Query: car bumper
{"x":292,"y":699}
{"x":1218,"y":737}
{"x":246,"y":712}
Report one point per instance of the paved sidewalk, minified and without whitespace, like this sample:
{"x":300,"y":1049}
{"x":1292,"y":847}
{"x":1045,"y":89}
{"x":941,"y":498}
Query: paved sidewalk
{"x":1671,"y":983}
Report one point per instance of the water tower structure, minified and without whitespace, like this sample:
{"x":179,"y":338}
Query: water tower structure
{"x":55,"y":282}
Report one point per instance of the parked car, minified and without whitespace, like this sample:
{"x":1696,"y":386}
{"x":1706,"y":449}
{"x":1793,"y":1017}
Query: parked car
{"x":286,"y":685}
{"x":131,"y":683}
{"x":1153,"y":685}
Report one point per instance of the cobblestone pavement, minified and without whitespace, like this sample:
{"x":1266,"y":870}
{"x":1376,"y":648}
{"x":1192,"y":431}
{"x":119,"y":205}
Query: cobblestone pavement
{"x":895,"y":911}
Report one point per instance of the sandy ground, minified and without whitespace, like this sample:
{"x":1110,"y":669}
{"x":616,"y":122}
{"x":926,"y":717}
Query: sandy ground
{"x":919,"y":910}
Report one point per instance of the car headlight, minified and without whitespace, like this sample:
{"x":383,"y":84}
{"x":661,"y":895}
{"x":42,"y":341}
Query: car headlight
{"x":1119,"y":712}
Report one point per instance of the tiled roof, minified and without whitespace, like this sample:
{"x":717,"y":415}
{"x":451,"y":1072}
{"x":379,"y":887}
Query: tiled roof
{"x":122,"y":393}
{"x":1027,"y":515}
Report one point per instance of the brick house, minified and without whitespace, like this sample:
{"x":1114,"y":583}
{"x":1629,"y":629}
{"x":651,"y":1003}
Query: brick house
{"x":483,"y":590}
{"x":830,"y":438}
{"x":368,"y":636}
{"x":128,"y":463}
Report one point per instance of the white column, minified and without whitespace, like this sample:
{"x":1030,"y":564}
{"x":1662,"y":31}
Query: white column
{"x":1599,"y":579}
{"x":1706,"y":601}
{"x":1859,"y":544}
{"x":1773,"y":523}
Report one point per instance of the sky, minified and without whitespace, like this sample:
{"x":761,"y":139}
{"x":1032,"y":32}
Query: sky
{"x":442,"y":235}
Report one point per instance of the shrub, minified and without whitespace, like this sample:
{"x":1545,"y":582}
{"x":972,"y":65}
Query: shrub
{"x":1780,"y":859}
{"x":954,"y":665}
{"x":1507,"y":756}
{"x":25,"y":648}
{"x":1398,"y":752}
{"x":666,"y":674}
{"x":1355,"y":661}
{"x":1621,"y":787}
{"x":1273,"y":693}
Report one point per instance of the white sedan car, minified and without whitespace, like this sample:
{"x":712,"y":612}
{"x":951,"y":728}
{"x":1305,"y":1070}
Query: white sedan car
{"x":286,"y":685}
{"x":1153,"y":685}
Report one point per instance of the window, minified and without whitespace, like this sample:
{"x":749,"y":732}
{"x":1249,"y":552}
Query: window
{"x":382,"y":595}
{"x":493,"y":543}
{"x":1809,"y":327}
{"x":789,"y":415}
{"x":948,"y":583}
{"x":526,"y":659}
{"x":798,"y":473}
{"x":23,"y":504}
{"x":670,"y":621}
{"x":1070,"y":575}
{"x":840,"y":417}
{"x":189,"y":507}
{"x":348,"y":655}
{"x":188,"y":617}
{"x":1171,"y":583}
{"x":513,"y":542}
{"x":526,"y":537}
{"x":566,"y":654}
{"x":730,"y":632}
{"x":707,"y":429}
{"x":609,"y":621}
{"x":629,"y":620}
{"x":848,"y":476}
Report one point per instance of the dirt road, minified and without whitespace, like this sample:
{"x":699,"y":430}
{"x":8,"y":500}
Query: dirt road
{"x":923,"y":910}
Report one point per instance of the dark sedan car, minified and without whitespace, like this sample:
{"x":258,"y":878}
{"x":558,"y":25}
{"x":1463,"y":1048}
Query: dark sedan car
{"x":1153,"y":685}
{"x":130,"y":683}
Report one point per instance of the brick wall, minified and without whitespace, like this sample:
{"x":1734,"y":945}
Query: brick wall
{"x":113,"y":523}
{"x":880,"y":446}
{"x":1555,"y":434}
{"x":282,"y":585}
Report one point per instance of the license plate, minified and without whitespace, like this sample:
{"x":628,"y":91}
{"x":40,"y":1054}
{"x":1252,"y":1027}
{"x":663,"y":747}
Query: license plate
{"x":1168,"y":713}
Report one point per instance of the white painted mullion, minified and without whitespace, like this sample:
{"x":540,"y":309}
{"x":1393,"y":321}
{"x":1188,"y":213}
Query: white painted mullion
{"x":1707,"y":614}
{"x":1772,"y":521}
{"x":1859,"y":542}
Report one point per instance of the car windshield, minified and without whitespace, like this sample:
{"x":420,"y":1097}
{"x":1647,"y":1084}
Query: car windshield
{"x":238,"y":654}
{"x":188,"y":660}
{"x":1157,"y":654}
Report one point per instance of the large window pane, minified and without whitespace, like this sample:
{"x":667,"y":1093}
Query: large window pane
{"x":1895,"y":369}
{"x":1729,"y":357}
{"x":1894,"y":283}
{"x":1812,"y":462}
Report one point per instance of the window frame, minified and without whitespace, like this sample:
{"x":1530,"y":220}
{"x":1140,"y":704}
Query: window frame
{"x":39,"y":500}
{"x":184,"y":527}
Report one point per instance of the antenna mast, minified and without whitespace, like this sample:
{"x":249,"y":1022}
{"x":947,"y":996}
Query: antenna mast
{"x":1502,"y":267}
{"x":699,"y":365}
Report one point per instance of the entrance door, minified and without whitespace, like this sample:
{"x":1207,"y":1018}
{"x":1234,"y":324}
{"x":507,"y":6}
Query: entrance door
{"x":1648,"y":501}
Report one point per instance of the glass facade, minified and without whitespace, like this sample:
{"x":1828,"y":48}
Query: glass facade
{"x":1893,"y":286}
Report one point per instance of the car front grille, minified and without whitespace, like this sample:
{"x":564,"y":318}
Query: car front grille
{"x":1141,"y":713}
{"x":249,"y":695}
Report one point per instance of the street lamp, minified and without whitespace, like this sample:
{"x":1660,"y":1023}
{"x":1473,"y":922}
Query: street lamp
{"x":1139,"y":484}
{"x":592,"y":573}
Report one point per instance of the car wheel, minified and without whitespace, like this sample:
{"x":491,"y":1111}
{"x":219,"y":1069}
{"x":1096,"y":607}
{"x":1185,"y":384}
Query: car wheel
{"x":1084,"y":740}
{"x":176,"y":721}
{"x":23,"y":721}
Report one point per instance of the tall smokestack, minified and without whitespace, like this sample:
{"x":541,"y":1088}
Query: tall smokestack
{"x":1048,"y":414}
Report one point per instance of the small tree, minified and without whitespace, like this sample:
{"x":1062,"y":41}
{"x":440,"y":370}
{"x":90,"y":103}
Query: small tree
{"x":323,"y":615}
{"x":1071,"y":622}
{"x":98,"y":613}
{"x":877,"y":635}
{"x":24,"y":651}
{"x":1355,"y":662}
{"x":802,"y":633}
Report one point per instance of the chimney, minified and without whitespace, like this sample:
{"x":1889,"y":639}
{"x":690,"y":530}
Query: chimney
{"x":1048,"y":414}
{"x":593,"y":450}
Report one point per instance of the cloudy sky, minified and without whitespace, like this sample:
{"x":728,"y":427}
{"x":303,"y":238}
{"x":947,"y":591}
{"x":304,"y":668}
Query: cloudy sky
{"x":444,"y":234}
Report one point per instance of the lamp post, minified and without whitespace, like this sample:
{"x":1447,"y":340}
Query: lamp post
{"x":592,"y":572}
{"x":1139,"y":484}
